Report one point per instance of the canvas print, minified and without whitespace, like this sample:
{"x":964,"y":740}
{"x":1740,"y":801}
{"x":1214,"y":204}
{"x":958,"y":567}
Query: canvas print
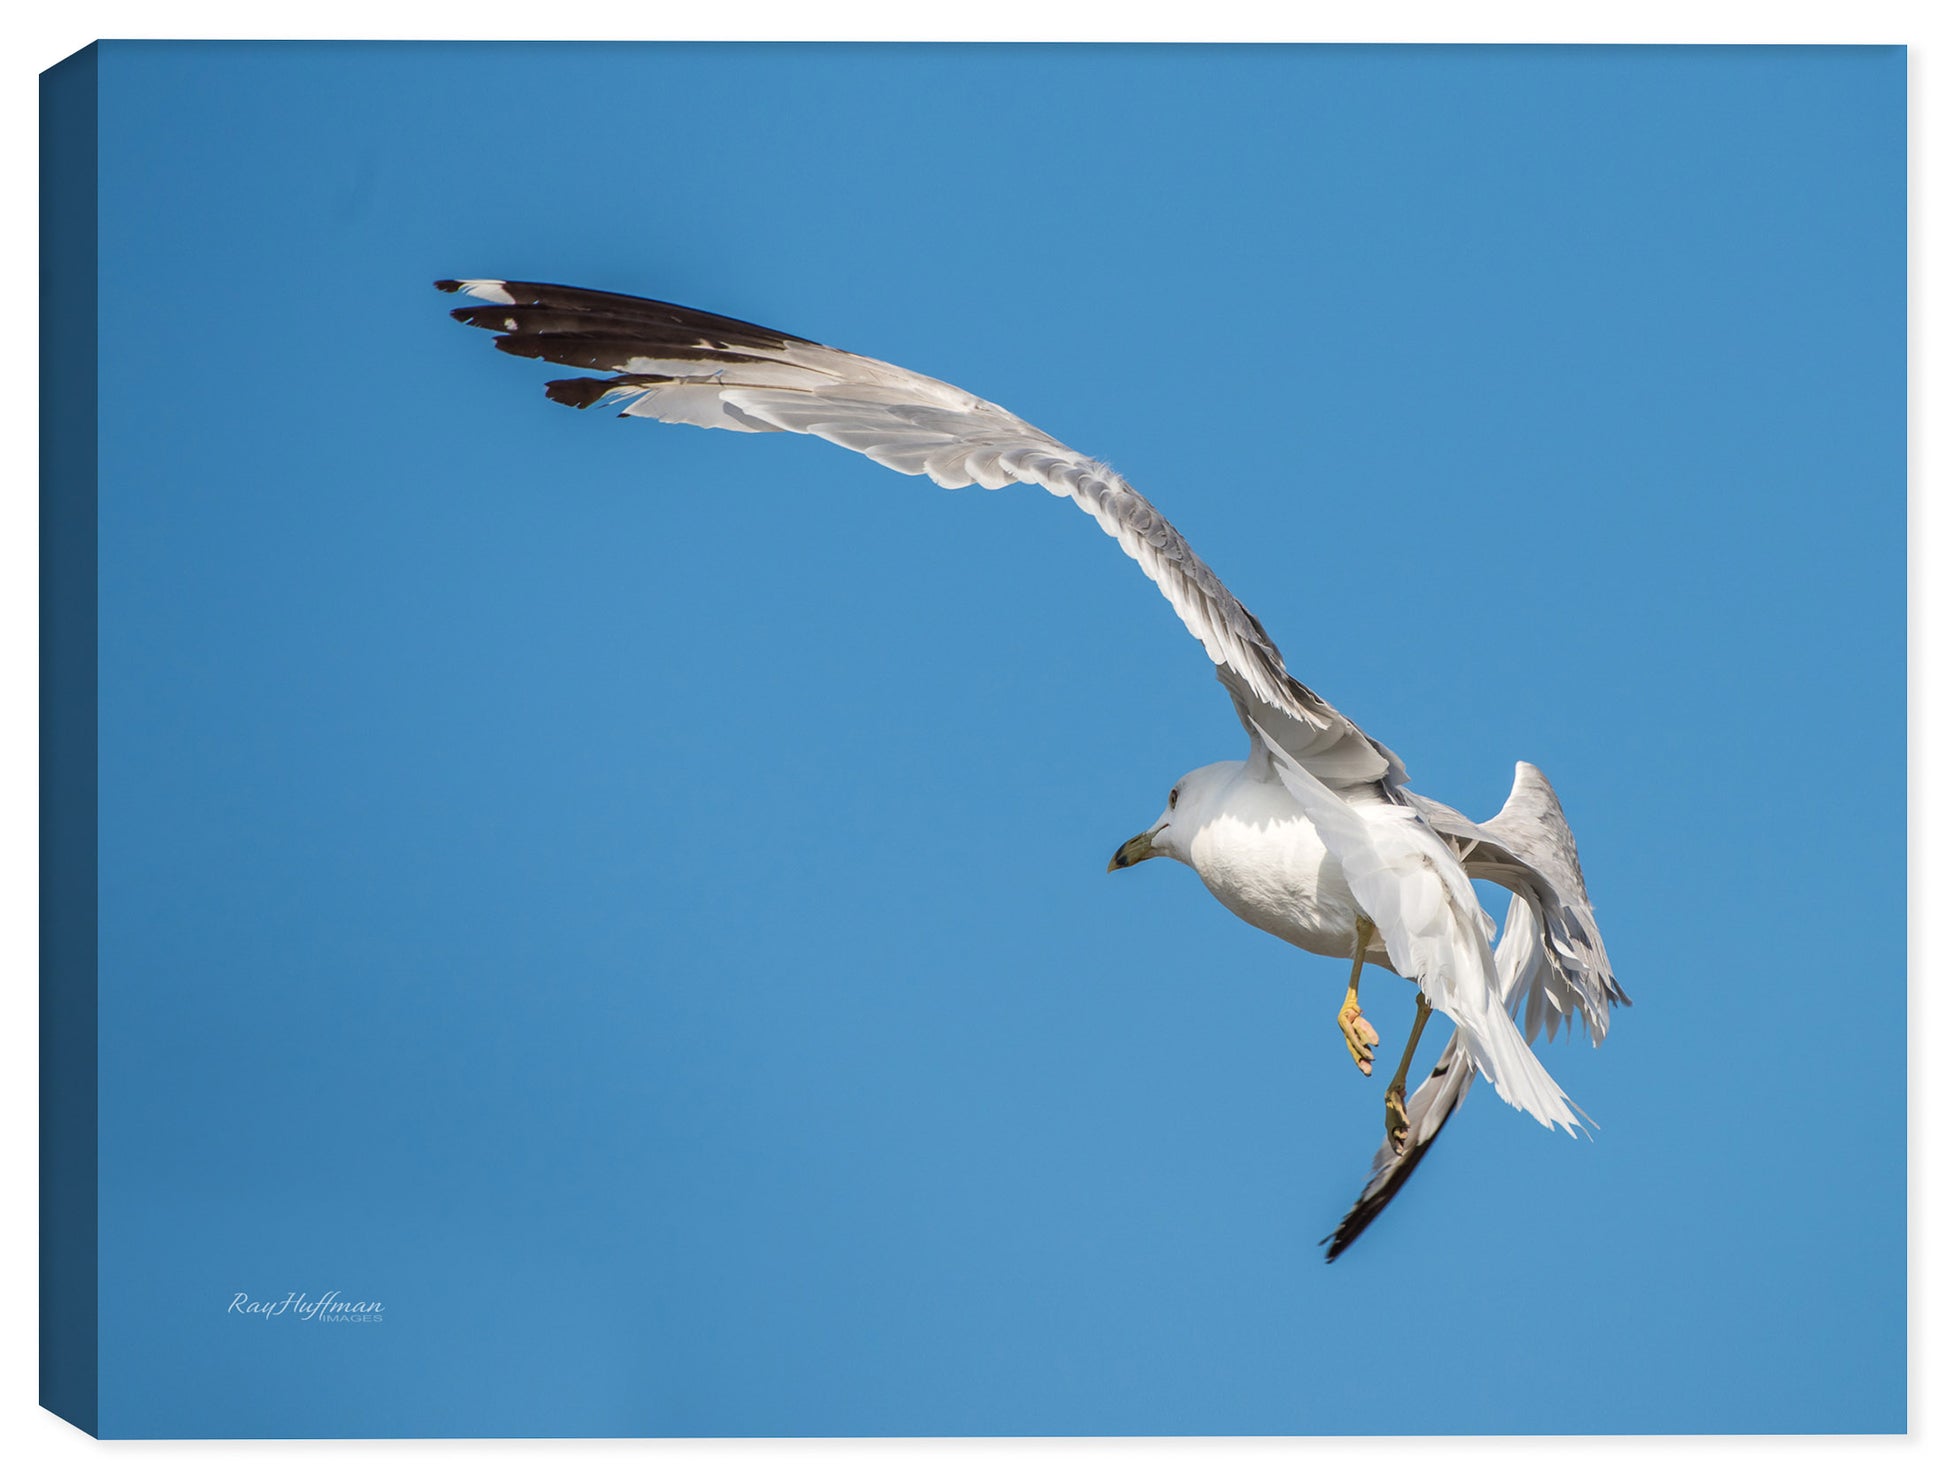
{"x":565,"y":922}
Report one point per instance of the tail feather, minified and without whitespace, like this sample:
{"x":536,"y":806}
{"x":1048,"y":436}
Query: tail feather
{"x":1504,"y":1056}
{"x":1462,"y":977}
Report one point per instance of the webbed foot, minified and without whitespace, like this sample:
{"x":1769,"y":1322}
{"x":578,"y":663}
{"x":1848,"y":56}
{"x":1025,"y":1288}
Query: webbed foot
{"x":1360,"y":1036}
{"x":1396,"y":1124}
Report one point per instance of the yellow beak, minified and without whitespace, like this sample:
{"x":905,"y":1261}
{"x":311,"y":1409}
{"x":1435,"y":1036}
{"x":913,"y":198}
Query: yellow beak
{"x":1135,"y":850}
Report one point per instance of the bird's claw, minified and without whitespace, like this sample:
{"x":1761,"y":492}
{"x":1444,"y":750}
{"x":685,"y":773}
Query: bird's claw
{"x":1360,"y":1036}
{"x":1396,"y":1124}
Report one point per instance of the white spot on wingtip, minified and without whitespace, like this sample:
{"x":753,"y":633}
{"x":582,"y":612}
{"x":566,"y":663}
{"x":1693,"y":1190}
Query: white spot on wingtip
{"x":493,"y":289}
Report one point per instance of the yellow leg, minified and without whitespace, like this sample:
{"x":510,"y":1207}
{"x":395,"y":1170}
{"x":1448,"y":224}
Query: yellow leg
{"x":1396,"y":1124}
{"x":1360,"y":1036}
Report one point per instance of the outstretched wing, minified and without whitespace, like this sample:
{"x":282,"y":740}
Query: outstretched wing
{"x":699,"y":369}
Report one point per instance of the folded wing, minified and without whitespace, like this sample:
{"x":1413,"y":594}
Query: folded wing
{"x":1408,"y":881}
{"x":1550,"y":958}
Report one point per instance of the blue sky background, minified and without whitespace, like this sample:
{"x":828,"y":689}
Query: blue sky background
{"x":631,"y":899}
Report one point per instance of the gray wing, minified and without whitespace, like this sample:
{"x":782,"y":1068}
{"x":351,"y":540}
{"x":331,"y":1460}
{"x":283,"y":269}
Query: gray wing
{"x":1550,"y":957}
{"x":682,"y":365}
{"x":1529,"y":850}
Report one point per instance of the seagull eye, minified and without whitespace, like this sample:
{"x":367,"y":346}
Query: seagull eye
{"x":1174,"y":792}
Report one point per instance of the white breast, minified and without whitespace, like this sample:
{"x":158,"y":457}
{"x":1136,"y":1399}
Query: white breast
{"x":1264,"y":862}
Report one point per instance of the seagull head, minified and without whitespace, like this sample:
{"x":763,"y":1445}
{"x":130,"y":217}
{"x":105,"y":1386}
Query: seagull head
{"x":1169,"y":837}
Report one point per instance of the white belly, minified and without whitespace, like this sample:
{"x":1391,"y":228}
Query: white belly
{"x":1265,"y":863}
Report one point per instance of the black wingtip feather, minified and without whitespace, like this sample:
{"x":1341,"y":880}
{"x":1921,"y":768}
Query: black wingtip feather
{"x":1365,"y":1213}
{"x":579,"y":394}
{"x":587,"y":330}
{"x":588,"y":311}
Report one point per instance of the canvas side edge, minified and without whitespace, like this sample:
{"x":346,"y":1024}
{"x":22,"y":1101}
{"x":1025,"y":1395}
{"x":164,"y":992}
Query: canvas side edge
{"x":70,"y":1300}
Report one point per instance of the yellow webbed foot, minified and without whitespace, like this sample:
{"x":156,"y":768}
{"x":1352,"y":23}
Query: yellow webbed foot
{"x":1360,"y":1036}
{"x":1396,"y":1124}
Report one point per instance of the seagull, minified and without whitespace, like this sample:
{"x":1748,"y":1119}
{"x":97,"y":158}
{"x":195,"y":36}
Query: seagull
{"x":1314,"y":837}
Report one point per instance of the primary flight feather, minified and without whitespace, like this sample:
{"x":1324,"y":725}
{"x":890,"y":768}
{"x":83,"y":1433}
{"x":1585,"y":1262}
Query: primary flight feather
{"x":1313,"y":837}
